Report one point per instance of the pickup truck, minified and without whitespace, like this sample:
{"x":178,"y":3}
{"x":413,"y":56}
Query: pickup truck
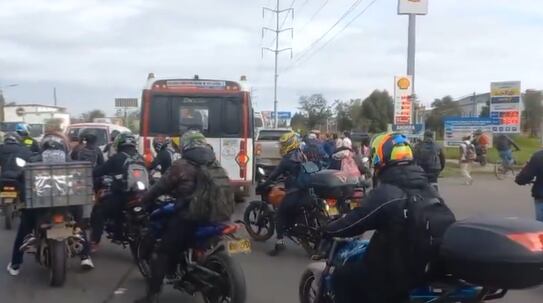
{"x":267,"y":146}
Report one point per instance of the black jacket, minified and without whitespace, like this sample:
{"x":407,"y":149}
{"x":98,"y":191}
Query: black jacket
{"x":31,"y":144}
{"x":79,"y":154}
{"x":8,"y":153}
{"x":430,"y":144}
{"x":382,"y":210}
{"x":115,"y":165}
{"x":164,"y":159}
{"x":289,"y":167}
{"x":533,"y":170}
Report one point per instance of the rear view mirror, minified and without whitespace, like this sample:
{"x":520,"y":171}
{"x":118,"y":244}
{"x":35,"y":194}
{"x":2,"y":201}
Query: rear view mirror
{"x":20,"y":162}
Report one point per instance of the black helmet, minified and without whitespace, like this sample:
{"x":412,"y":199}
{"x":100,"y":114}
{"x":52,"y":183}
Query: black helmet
{"x":125,"y":139}
{"x":12,"y":138}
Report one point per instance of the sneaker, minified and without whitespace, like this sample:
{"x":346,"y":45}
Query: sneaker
{"x":13,"y":269}
{"x":86,"y":264}
{"x":279,"y":247}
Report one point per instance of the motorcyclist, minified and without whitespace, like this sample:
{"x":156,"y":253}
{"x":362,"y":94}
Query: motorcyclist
{"x":109,"y":150}
{"x":54,"y":148}
{"x":88,"y":151}
{"x":165,"y":154}
{"x":180,"y":181}
{"x":383,"y":274}
{"x":289,"y":167}
{"x":314,"y":150}
{"x":9,"y":151}
{"x":112,"y":205}
{"x":29,"y":142}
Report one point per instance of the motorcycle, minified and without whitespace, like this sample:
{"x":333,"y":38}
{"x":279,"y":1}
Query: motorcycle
{"x":56,"y":190}
{"x":316,"y":282}
{"x":207,"y":267}
{"x":133,"y":221}
{"x":9,"y":200}
{"x":259,"y":216}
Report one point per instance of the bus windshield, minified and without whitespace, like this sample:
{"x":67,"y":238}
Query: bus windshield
{"x":215,"y":117}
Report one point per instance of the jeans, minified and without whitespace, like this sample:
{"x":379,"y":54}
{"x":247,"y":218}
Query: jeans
{"x":539,"y":209}
{"x":507,"y":157}
{"x":28,"y":221}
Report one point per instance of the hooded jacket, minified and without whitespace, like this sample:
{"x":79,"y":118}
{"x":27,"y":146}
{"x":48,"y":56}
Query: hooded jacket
{"x":288,"y":167}
{"x":387,"y":257}
{"x":180,"y":180}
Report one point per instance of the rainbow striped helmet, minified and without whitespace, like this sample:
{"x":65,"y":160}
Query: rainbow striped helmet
{"x":390,"y":149}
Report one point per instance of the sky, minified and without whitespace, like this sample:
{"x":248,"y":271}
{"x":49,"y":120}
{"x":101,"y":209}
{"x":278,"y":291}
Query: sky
{"x":97,"y":50}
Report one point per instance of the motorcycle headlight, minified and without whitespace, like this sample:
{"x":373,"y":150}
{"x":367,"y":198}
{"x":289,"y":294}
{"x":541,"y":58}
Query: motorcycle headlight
{"x":261,"y":171}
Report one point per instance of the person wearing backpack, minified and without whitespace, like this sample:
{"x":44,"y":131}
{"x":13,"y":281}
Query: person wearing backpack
{"x":399,"y":251}
{"x":290,"y":168}
{"x":314,"y":150}
{"x":88,"y":151}
{"x":117,"y":167}
{"x":468,"y":154}
{"x":431,"y":157}
{"x":165,"y":154}
{"x":203,"y":194}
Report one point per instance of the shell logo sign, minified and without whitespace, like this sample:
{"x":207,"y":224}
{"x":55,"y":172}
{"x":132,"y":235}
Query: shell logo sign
{"x":403,"y":83}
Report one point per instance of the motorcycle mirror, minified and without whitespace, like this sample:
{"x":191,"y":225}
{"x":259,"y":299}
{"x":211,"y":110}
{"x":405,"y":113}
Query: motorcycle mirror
{"x":261,"y":171}
{"x":20,"y":162}
{"x":140,"y":185}
{"x":365,"y":160}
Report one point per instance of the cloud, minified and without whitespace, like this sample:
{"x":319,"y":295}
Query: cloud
{"x":94,"y":51}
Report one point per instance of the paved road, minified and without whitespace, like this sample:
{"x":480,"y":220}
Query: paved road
{"x":269,"y":280}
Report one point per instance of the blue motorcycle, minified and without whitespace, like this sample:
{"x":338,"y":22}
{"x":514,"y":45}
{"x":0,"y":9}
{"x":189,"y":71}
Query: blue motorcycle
{"x":316,"y":283}
{"x":207,"y":267}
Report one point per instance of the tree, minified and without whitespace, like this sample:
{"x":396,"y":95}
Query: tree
{"x":442,"y":108}
{"x":485,"y":111}
{"x":344,"y":115}
{"x":93,"y":114}
{"x":298,"y":122}
{"x":533,"y":112}
{"x":375,"y":112}
{"x":316,"y":110}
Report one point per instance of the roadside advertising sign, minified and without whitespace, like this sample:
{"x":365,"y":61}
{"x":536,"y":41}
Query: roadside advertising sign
{"x":417,"y":7}
{"x":126,"y":102}
{"x":458,"y":127}
{"x":505,"y":107}
{"x":403,"y":107}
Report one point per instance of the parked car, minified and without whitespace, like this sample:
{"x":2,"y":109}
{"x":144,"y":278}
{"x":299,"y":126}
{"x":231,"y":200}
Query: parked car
{"x":102,"y":131}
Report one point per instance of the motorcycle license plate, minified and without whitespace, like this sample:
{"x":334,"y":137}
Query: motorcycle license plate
{"x":238,"y":246}
{"x":332,"y":211}
{"x":59,"y":233}
{"x":8,"y":194}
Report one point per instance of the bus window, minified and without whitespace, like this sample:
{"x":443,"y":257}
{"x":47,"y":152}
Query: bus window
{"x":193,"y":117}
{"x":232,"y":116}
{"x":159,"y":115}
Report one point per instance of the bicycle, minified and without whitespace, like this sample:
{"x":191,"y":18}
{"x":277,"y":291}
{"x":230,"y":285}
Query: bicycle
{"x":501,"y":170}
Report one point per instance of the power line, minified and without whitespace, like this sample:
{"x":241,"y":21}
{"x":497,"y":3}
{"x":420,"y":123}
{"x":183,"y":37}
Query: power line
{"x":337,"y":33}
{"x":308,"y":49}
{"x":314,"y":15}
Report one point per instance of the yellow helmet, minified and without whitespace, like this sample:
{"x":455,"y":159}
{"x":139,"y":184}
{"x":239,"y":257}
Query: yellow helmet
{"x":288,"y":142}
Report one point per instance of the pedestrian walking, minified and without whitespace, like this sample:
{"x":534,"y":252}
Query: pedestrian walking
{"x":431,"y":157}
{"x":467,"y":156}
{"x":533,"y":173}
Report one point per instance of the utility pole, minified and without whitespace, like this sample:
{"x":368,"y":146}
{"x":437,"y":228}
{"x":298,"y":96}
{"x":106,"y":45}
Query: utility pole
{"x":277,"y":30}
{"x":55,"y":95}
{"x":411,"y":47}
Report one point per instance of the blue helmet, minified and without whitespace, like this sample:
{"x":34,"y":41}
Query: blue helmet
{"x":22,"y":129}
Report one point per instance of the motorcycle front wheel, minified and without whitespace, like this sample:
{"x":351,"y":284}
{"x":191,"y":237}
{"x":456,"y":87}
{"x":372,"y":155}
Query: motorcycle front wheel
{"x":58,"y":256}
{"x":144,"y":251}
{"x":259,"y":221}
{"x":230,"y":286}
{"x":308,"y":288}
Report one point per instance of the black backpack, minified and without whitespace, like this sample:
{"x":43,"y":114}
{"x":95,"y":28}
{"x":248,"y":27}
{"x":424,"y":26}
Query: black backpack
{"x":88,"y":154}
{"x":213,"y":198}
{"x":427,"y":218}
{"x":427,"y":156}
{"x":134,"y":172}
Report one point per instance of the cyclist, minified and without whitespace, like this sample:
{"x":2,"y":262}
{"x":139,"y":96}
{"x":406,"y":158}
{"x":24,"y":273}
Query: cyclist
{"x":384,"y":274}
{"x":504,"y":145}
{"x":289,"y":167}
{"x":29,"y":142}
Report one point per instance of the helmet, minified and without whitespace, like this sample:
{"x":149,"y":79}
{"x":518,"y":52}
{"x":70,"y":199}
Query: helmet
{"x":125,"y":139}
{"x":390,"y":149}
{"x":478,"y":132}
{"x":54,"y":141}
{"x":22,"y":129}
{"x":289,"y":142}
{"x":114,"y":135}
{"x":192,"y":139}
{"x":12,"y":138}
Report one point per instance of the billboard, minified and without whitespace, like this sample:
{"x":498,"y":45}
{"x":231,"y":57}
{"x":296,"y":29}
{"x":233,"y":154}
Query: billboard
{"x":417,"y":7}
{"x":283,"y":118}
{"x":505,"y":107}
{"x":458,"y":127}
{"x":126,"y":102}
{"x":403,"y":108}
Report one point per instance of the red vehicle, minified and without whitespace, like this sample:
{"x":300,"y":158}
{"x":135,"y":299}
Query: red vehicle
{"x":221,"y":109}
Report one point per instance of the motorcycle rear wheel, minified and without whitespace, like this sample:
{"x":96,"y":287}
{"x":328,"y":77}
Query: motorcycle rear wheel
{"x":259,"y":222}
{"x":58,"y":259}
{"x":231,"y":286}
